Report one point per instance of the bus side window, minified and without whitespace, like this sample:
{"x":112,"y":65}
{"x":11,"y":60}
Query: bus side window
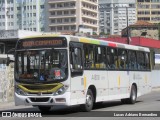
{"x":140,"y":61}
{"x":132,"y":60}
{"x":147,"y":61}
{"x":76,"y":59}
{"x":112,"y":58}
{"x":99,"y":57}
{"x":122,"y":59}
{"x":89,"y":56}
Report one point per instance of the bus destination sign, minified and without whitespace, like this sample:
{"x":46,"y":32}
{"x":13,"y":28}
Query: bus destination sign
{"x":42,"y":42}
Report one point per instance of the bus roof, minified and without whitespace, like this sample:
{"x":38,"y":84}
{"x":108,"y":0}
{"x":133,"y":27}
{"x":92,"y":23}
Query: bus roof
{"x":92,"y":41}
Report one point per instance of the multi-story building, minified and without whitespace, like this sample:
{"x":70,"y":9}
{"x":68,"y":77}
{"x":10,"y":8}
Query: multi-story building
{"x":31,"y":15}
{"x":22,"y":15}
{"x":71,"y":15}
{"x":114,"y":15}
{"x":7,"y":14}
{"x":148,"y":10}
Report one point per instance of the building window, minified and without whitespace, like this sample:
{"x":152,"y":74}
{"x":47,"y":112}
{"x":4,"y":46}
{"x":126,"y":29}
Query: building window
{"x":52,"y":13}
{"x":59,"y":20}
{"x":59,"y":13}
{"x":59,"y":5}
{"x":66,"y":12}
{"x":34,"y":29}
{"x":72,"y":4}
{"x":18,"y":8}
{"x":53,"y":21}
{"x":73,"y":19}
{"x":59,"y":28}
{"x":42,"y":6}
{"x":73,"y":12}
{"x":42,"y":29}
{"x":34,"y":7}
{"x":53,"y":28}
{"x":34,"y":14}
{"x":66,"y":4}
{"x":66,"y":20}
{"x":11,"y":8}
{"x":73,"y":27}
{"x":52,"y":5}
{"x":66,"y":27}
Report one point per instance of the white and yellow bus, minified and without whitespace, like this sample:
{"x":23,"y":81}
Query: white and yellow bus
{"x":68,"y":70}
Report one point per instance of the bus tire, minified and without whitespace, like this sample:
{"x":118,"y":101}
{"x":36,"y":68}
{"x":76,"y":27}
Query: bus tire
{"x":44,"y":108}
{"x":88,"y":106}
{"x":133,"y":95}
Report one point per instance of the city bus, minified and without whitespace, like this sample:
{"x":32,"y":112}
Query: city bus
{"x":52,"y":70}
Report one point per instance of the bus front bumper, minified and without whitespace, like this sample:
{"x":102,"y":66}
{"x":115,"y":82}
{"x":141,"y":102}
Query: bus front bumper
{"x":43,"y":100}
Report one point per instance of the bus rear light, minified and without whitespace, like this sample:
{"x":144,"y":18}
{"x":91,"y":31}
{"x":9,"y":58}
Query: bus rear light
{"x":60,"y":100}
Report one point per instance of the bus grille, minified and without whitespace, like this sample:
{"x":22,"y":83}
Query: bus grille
{"x":48,"y":87}
{"x":46,"y":99}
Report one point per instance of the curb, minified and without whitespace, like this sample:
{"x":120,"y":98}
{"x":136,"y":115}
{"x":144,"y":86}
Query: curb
{"x":156,"y":89}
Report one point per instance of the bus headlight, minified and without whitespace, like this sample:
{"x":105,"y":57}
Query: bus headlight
{"x":61,"y":90}
{"x":20,"y":91}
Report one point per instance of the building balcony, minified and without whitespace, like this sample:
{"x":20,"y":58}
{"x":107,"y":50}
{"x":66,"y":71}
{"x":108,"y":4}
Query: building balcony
{"x":90,"y":25}
{"x":90,"y":10}
{"x":89,"y":17}
{"x":62,"y":24}
{"x":62,"y":8}
{"x":60,"y":1}
{"x":90,"y":2}
{"x":62,"y":16}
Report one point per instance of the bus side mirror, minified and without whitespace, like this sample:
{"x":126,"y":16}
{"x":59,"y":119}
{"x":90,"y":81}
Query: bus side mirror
{"x":9,"y":58}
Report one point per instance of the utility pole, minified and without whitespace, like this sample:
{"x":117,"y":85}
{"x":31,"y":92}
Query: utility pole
{"x":128,"y":42}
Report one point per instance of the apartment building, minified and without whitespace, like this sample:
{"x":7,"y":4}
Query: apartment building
{"x":22,"y":15}
{"x":148,"y":10}
{"x":31,"y":15}
{"x":7,"y":17}
{"x":71,"y":15}
{"x":115,"y":15}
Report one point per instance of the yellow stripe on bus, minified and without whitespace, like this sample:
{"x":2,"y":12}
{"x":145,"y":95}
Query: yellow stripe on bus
{"x":119,"y":81}
{"x":85,"y":82}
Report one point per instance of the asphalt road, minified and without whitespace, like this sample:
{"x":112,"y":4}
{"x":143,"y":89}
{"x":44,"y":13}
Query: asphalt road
{"x":147,"y":104}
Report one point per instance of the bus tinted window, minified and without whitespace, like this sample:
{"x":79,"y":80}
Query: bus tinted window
{"x":132,"y":62}
{"x":140,"y":61}
{"x":76,"y":59}
{"x":89,"y":56}
{"x":147,"y":61}
{"x":122,"y":59}
{"x":112,"y":58}
{"x":100,"y":57}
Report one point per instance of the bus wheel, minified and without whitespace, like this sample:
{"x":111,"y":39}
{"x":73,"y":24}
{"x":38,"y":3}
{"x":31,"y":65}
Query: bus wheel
{"x":44,"y":108}
{"x":133,"y":96}
{"x":89,"y":102}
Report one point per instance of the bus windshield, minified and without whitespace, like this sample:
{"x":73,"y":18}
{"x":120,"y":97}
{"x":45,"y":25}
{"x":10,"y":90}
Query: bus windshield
{"x":41,"y":65}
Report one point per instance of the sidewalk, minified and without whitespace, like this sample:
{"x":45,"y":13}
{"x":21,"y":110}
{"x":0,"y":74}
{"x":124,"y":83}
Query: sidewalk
{"x":6,"y":105}
{"x":11,"y":105}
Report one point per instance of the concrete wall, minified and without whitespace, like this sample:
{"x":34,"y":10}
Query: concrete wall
{"x":6,"y":82}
